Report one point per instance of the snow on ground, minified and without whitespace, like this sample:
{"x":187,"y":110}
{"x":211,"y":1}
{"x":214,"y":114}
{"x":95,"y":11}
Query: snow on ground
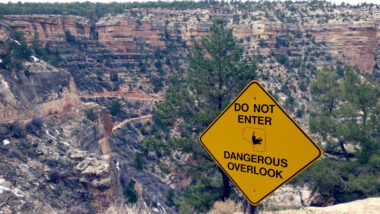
{"x":35,"y":59}
{"x":17,"y":42}
{"x":3,"y":188}
{"x":6,"y":142}
{"x":48,"y":133}
{"x":65,"y":143}
{"x":17,"y":192}
{"x":118,"y":165}
{"x":5,"y":84}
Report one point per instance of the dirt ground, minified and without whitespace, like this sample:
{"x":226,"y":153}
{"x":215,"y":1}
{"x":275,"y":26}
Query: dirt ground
{"x":365,"y":206}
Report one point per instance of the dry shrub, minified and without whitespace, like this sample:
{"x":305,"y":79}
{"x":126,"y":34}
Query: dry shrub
{"x":126,"y":209}
{"x":226,"y":207}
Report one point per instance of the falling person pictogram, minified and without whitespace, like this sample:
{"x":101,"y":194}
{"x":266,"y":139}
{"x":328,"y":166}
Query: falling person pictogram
{"x":256,"y":141}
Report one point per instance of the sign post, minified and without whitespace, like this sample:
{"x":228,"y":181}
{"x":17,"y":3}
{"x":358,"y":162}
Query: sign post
{"x":258,"y":145}
{"x":252,"y":209}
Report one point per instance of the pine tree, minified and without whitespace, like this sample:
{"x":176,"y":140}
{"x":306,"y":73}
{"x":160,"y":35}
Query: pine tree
{"x":217,"y":71}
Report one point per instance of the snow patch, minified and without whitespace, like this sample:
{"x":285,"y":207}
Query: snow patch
{"x":1,"y":61}
{"x":117,"y":165}
{"x":17,"y":192}
{"x":65,"y":143}
{"x":5,"y":84}
{"x":17,"y":42}
{"x":6,"y":142}
{"x":35,"y":59}
{"x":56,"y":131}
{"x":3,"y":188}
{"x":47,"y":132}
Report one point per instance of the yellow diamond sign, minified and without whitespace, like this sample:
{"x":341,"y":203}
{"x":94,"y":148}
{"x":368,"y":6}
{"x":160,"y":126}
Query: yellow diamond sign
{"x":258,"y":145}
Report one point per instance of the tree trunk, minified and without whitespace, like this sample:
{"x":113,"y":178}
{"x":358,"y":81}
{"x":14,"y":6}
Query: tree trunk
{"x":344,"y":151}
{"x":331,"y":106}
{"x":226,"y":185}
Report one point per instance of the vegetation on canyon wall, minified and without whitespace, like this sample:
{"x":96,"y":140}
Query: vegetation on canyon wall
{"x":97,"y":10}
{"x":15,"y":52}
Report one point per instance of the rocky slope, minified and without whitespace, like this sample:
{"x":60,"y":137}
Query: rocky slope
{"x":22,"y":98}
{"x":55,"y":157}
{"x":56,"y":150}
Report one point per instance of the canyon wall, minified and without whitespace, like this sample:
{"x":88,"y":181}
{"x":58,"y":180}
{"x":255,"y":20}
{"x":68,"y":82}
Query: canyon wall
{"x":55,"y":156}
{"x":21,"y":98}
{"x":49,"y":28}
{"x":354,"y":43}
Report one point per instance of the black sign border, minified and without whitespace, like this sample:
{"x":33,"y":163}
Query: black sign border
{"x":294,"y":122}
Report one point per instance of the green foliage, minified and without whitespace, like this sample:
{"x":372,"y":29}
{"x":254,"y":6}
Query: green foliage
{"x":204,"y":192}
{"x":16,"y":51}
{"x":282,"y":59}
{"x":44,"y":53}
{"x":186,"y":208}
{"x":138,"y":164}
{"x":326,"y":90}
{"x":114,"y":77}
{"x":115,"y":107}
{"x":236,"y":18}
{"x":91,"y":115}
{"x":164,"y":168}
{"x":262,"y":43}
{"x":69,"y":38}
{"x":217,"y":71}
{"x":345,"y":112}
{"x":158,"y":64}
{"x":170,"y":197}
{"x":282,"y":41}
{"x":300,"y":111}
{"x":130,"y":192}
{"x":157,"y":82}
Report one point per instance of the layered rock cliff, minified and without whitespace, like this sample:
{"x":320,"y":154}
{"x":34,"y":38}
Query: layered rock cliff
{"x":50,"y":28}
{"x":351,"y":36}
{"x":21,"y":97}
